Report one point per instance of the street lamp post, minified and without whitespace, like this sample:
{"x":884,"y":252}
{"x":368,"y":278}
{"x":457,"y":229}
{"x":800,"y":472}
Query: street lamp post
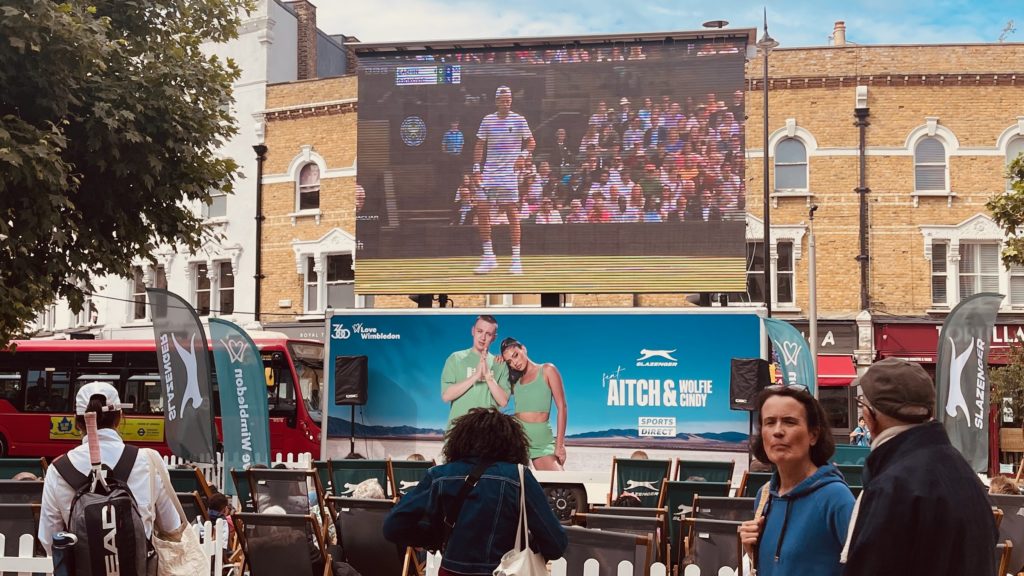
{"x":766,"y":44}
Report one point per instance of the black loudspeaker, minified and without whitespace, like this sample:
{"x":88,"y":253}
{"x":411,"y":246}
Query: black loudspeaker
{"x":350,"y":381}
{"x":749,"y":376}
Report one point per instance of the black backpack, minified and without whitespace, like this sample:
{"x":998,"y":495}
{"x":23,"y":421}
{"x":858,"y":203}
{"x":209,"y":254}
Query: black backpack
{"x":111,"y":534}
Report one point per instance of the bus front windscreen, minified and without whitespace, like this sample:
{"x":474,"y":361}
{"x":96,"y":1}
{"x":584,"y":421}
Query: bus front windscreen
{"x":309,"y":366}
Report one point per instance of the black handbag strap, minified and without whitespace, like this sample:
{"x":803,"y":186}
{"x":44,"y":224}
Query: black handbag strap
{"x":460,"y":499}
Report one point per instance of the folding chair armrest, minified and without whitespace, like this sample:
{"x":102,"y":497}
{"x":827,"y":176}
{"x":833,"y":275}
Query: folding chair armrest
{"x":328,"y":564}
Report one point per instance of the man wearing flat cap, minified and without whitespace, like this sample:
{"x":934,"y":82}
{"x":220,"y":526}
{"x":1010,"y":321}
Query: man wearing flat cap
{"x":923,"y":510}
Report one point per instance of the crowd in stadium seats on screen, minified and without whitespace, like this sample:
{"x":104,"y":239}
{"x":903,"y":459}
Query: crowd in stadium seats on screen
{"x":656,"y":158}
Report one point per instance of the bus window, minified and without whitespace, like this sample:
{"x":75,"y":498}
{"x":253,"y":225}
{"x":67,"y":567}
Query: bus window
{"x":310,"y":378}
{"x":145,"y":387}
{"x":10,"y":388}
{"x":281,"y":397}
{"x":49,"y":391}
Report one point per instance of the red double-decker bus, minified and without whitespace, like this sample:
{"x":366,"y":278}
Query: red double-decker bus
{"x":39,"y":380}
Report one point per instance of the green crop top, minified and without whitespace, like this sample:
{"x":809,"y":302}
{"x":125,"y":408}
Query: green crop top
{"x":533,"y":396}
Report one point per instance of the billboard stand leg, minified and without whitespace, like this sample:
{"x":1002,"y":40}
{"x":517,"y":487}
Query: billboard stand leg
{"x":352,"y":432}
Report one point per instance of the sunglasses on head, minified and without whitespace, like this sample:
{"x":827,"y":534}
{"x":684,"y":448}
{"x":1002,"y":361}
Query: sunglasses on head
{"x":863,"y":403}
{"x":781,"y":387}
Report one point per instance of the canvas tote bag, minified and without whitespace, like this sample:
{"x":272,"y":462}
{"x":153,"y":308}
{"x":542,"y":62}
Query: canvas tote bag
{"x":522,"y":561}
{"x":178,"y":553}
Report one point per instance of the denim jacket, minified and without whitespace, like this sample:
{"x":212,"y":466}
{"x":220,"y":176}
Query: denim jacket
{"x":486,"y":527}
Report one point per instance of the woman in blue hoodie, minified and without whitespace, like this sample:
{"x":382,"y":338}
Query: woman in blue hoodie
{"x":802,"y":525}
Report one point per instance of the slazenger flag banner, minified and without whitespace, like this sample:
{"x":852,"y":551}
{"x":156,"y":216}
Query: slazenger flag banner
{"x":184,"y":363}
{"x":243,"y":398}
{"x":793,"y":353}
{"x":961,"y":376}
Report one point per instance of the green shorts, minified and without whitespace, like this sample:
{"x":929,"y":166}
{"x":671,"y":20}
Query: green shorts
{"x":542,"y":439}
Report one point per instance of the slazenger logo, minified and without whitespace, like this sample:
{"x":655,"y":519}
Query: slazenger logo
{"x":236,"y":350}
{"x":665,"y":355}
{"x":956,"y":402}
{"x":188,"y":358}
{"x":404,"y":485}
{"x":633,"y":487}
{"x":790,"y":352}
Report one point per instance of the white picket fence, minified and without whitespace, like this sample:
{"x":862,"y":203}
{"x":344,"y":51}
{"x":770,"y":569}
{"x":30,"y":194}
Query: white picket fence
{"x":24,"y":564}
{"x":215,"y":473}
{"x":592,"y":568}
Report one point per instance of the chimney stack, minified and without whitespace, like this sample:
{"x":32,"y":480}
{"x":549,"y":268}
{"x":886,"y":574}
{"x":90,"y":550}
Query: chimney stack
{"x":305,"y":15}
{"x":839,"y":34}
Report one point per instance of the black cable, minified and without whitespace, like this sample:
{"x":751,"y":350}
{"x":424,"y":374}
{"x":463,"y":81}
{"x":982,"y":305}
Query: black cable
{"x":292,"y":314}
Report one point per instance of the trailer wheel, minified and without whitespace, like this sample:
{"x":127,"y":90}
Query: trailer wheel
{"x":564,"y":499}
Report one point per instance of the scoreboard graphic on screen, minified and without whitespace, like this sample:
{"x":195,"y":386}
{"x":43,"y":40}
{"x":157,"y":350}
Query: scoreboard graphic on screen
{"x":553,"y":165}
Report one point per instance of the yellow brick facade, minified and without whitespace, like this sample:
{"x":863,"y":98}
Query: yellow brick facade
{"x":971,"y":91}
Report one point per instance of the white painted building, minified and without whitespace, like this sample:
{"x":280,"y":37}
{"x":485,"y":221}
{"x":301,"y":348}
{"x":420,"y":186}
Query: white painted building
{"x":277,"y":42}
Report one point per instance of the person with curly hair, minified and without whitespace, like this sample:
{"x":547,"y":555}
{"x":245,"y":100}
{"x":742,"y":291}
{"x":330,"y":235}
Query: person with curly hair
{"x":485,"y":528}
{"x":534,"y":386}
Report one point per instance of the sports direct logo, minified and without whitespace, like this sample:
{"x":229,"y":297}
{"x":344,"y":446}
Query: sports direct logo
{"x":665,"y":356}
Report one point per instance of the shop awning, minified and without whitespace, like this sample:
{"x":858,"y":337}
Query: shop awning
{"x":835,"y":370}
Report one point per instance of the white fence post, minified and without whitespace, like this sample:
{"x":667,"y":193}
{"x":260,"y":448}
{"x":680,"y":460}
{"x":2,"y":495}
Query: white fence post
{"x":591,"y":568}
{"x":24,"y":563}
{"x":658,"y":569}
{"x":625,"y":568}
{"x":559,"y":567}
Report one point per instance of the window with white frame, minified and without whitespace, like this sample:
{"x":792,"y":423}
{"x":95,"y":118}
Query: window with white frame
{"x":1016,"y":285}
{"x":203,"y":288}
{"x":784,"y":269}
{"x":158,"y":279}
{"x":225,"y":289}
{"x":940,"y":296}
{"x":340,"y":281}
{"x":138,"y":294}
{"x":309,"y":187}
{"x":334,"y":288}
{"x":312,"y":285}
{"x":790,"y":165}
{"x":930,"y":165}
{"x":1013,"y":150}
{"x":979,"y":268}
{"x":218,"y":206}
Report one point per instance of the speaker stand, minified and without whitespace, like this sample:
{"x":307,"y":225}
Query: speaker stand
{"x":352,"y":432}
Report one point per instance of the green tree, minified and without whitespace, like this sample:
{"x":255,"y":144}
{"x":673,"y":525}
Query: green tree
{"x":109,"y":116}
{"x":1008,"y":211}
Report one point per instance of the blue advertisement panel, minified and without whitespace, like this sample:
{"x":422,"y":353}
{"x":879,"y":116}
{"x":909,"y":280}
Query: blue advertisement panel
{"x":628,"y":379}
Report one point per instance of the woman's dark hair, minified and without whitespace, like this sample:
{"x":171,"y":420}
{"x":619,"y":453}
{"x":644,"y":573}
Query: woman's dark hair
{"x":513,"y":375}
{"x":486,"y":434}
{"x":822,"y":450}
{"x":103,"y":419}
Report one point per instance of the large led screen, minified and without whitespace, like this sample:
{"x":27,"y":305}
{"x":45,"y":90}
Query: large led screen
{"x":584,"y":168}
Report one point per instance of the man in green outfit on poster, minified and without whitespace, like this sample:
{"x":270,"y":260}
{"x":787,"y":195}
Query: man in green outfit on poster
{"x":472,"y":378}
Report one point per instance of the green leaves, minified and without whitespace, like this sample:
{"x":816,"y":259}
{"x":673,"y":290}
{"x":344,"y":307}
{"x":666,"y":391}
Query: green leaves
{"x":108,"y":116}
{"x":1008,"y":212}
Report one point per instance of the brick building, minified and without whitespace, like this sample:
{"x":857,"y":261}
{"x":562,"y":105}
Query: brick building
{"x":939,"y":123}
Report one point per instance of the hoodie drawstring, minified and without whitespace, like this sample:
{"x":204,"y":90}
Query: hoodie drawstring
{"x":782,"y":534}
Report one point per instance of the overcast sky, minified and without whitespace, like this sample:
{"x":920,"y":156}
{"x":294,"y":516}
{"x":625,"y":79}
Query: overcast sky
{"x":791,"y":22}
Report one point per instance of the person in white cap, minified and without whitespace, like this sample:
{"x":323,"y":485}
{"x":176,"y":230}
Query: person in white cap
{"x":102,"y":398}
{"x":507,"y":140}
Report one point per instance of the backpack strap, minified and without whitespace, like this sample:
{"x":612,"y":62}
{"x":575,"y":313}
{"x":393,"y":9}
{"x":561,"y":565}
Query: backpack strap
{"x":467,"y":487}
{"x":123,"y":468}
{"x":69,"y":473}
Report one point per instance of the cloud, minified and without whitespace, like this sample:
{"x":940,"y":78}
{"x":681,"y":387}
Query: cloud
{"x":793,"y":22}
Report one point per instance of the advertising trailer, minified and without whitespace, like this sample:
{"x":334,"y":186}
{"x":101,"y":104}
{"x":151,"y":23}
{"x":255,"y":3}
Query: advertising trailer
{"x":627,"y":379}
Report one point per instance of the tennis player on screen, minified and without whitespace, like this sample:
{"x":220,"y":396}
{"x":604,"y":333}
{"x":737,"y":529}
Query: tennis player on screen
{"x":506,"y":138}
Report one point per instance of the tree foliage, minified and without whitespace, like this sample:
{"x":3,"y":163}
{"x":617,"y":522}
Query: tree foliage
{"x":1008,"y":212}
{"x":109,"y":116}
{"x":1008,"y":381}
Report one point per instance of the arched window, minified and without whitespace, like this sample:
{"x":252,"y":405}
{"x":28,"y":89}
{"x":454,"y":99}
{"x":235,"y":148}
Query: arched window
{"x":309,"y":187}
{"x":930,"y":165}
{"x":1013,"y":150}
{"x":790,"y":165}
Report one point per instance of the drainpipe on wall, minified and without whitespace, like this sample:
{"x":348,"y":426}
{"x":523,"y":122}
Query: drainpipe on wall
{"x":861,"y":111}
{"x":261,"y":156}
